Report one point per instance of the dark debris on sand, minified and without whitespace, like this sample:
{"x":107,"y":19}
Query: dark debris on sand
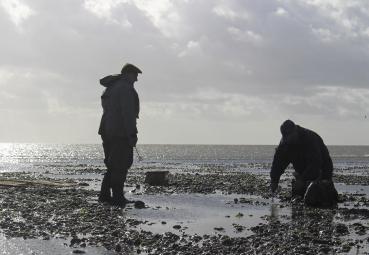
{"x":235,"y":183}
{"x":74,"y":215}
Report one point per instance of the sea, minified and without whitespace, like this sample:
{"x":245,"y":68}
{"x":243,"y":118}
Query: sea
{"x":20,"y":157}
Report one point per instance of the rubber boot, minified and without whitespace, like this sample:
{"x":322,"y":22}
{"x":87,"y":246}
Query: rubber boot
{"x":118,"y":196}
{"x":105,"y":194}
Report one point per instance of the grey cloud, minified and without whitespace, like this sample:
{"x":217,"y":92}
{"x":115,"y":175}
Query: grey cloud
{"x":244,"y":51}
{"x":80,"y":44}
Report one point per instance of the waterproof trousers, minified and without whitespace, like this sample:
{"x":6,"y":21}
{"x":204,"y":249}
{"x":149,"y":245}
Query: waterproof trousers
{"x":118,"y":159}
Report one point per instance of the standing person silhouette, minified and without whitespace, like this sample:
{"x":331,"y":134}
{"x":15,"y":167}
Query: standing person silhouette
{"x":118,"y":130}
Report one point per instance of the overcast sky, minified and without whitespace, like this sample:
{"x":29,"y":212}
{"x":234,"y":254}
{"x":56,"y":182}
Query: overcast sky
{"x":214,"y":71}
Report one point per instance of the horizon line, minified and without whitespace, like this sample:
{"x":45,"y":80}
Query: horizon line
{"x":181,"y":144}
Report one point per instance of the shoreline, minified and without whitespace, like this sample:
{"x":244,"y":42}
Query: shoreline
{"x":233,"y":210}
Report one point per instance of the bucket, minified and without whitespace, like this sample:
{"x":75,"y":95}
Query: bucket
{"x":157,"y":178}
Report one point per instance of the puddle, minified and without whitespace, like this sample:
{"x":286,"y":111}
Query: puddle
{"x":352,"y":189}
{"x":204,"y":214}
{"x":44,"y":247}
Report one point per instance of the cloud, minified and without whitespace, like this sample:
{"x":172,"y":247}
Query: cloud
{"x":245,"y":36}
{"x":104,"y":10}
{"x":192,"y":47}
{"x":350,"y":17}
{"x":227,"y":12}
{"x":17,"y":10}
{"x":281,"y":12}
{"x":163,"y":14}
{"x":326,"y":35}
{"x":249,"y":63}
{"x":333,"y":102}
{"x":212,"y":103}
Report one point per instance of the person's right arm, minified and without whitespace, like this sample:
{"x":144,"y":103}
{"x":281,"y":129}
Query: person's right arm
{"x":279,"y":165}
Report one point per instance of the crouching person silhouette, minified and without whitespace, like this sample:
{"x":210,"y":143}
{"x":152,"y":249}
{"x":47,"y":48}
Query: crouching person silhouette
{"x":118,"y":131}
{"x":313,"y":165}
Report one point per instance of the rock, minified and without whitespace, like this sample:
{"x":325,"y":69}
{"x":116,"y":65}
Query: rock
{"x":346,"y":248}
{"x":157,"y":178}
{"x":238,"y":228}
{"x":74,"y":241}
{"x":239,"y":215}
{"x":78,"y":252}
{"x":177,"y":226}
{"x":342,"y":229}
{"x":227,"y":242}
{"x":118,"y":248}
{"x":245,"y":201}
{"x":139,"y":204}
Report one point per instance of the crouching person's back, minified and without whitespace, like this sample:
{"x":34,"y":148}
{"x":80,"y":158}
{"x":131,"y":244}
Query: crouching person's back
{"x":306,"y":151}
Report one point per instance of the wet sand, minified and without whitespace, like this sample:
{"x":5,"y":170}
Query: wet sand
{"x":201,"y":211}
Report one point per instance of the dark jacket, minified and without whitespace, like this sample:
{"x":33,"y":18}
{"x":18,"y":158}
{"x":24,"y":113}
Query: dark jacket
{"x":309,"y":156}
{"x":121,"y":107}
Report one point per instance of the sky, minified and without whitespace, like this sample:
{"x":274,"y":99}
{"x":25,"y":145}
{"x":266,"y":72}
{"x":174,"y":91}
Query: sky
{"x":214,"y":71}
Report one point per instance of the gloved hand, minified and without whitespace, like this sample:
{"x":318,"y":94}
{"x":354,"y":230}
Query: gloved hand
{"x":132,"y":140}
{"x":273,"y":186}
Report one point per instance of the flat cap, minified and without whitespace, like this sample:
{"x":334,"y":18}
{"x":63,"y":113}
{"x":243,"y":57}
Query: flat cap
{"x":129,"y":68}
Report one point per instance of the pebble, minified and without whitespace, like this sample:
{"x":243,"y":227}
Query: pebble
{"x":78,"y":252}
{"x":139,"y":204}
{"x":66,"y":213}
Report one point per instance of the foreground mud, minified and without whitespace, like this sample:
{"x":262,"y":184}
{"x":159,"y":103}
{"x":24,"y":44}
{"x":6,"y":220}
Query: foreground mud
{"x":73,"y":215}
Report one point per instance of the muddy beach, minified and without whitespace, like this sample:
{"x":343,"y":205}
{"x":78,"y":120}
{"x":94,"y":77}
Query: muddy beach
{"x":207,"y":210}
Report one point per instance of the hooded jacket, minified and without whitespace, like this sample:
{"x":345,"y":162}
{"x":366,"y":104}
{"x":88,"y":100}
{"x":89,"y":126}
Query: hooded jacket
{"x":121,"y":107}
{"x":309,"y":156}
